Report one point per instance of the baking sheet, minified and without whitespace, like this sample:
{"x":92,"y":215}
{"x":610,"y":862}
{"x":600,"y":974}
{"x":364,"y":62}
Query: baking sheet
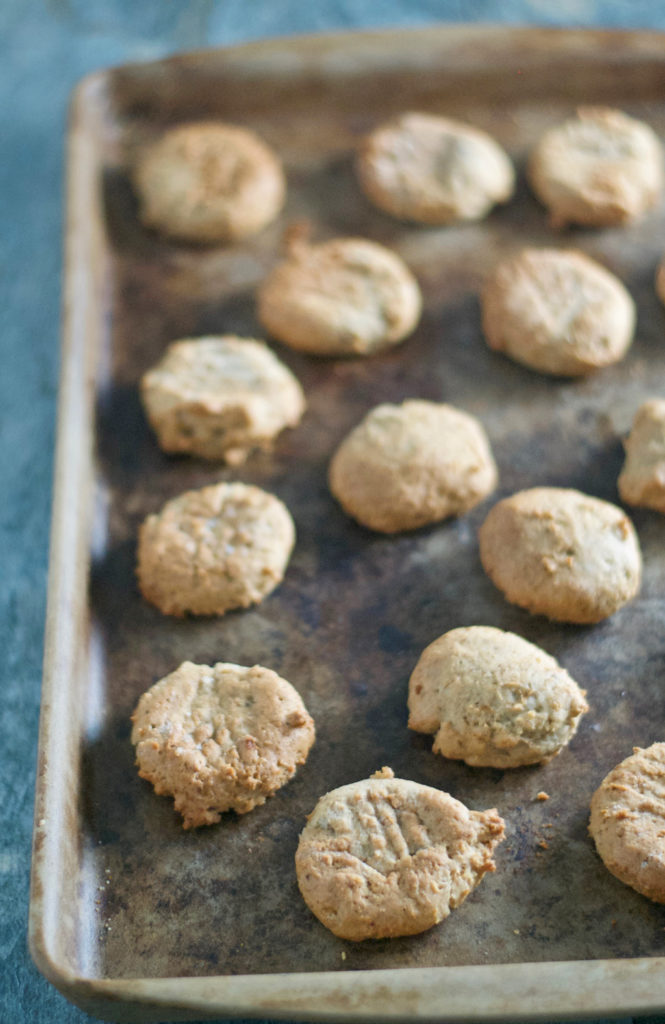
{"x":123,"y":899}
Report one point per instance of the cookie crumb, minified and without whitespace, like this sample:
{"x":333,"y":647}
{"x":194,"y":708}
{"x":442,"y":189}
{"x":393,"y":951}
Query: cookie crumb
{"x":542,"y":795}
{"x":343,"y":955}
{"x":543,"y":844}
{"x":516,"y":931}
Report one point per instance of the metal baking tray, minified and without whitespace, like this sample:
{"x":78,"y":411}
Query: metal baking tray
{"x":131,"y":917}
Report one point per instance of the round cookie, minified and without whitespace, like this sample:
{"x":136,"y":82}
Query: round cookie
{"x":408,"y":465}
{"x":627,"y":812}
{"x":557,"y":311}
{"x":493,"y":699}
{"x":387,"y":857}
{"x":432,"y":170}
{"x":642,"y":479}
{"x":344,"y":297}
{"x":208,"y":551}
{"x":560,"y":553}
{"x":220,"y":738}
{"x":220,"y":397}
{"x":209,"y":182}
{"x":598,"y":168}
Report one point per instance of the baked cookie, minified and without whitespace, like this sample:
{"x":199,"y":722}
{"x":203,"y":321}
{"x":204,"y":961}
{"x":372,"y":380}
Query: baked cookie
{"x":557,"y":311}
{"x":560,"y":553}
{"x":493,"y":699}
{"x":209,"y":182}
{"x":208,"y":551}
{"x":408,"y":465}
{"x":642,"y":479}
{"x":433,"y":170}
{"x":660,"y":281}
{"x":598,"y":168}
{"x":387,"y":857}
{"x":220,"y":397}
{"x":220,"y":738}
{"x":627,"y":812}
{"x":344,"y":297}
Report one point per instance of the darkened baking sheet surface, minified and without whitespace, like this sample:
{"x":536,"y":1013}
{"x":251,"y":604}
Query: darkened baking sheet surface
{"x":147,"y":900}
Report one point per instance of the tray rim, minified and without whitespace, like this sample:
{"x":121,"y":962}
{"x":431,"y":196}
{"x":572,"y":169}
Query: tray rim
{"x":471,"y":993}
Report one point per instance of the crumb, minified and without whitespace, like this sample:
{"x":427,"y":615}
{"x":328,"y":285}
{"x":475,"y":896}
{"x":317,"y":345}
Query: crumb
{"x":543,"y":845}
{"x":516,"y":931}
{"x":542,"y":795}
{"x":343,"y":955}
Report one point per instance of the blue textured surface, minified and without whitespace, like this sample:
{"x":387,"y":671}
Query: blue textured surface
{"x":45,"y":47}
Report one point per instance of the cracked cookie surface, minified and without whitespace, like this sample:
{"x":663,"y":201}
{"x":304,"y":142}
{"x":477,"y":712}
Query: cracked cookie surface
{"x":493,"y":699}
{"x":208,"y":551}
{"x":220,"y":738}
{"x":433,"y":170}
{"x":347,"y":296}
{"x":220,"y":397}
{"x":642,"y":479}
{"x":408,"y":465}
{"x":598,"y":168}
{"x":387,"y":857}
{"x":561,"y":553}
{"x":557,"y":311}
{"x":628,"y":821}
{"x":209,"y":182}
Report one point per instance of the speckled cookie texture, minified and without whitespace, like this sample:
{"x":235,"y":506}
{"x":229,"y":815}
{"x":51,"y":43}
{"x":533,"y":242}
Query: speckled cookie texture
{"x":220,"y":397}
{"x":432,"y":170}
{"x":387,"y":857}
{"x":208,"y":551}
{"x":493,"y":699}
{"x":220,"y":738}
{"x":408,"y":465}
{"x":557,"y":311}
{"x":561,"y":553}
{"x":209,"y":182}
{"x":347,"y":296}
{"x":598,"y":168}
{"x":628,"y":821}
{"x":642,"y":479}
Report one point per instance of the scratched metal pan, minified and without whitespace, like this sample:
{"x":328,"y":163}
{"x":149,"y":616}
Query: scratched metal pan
{"x":135,"y":919}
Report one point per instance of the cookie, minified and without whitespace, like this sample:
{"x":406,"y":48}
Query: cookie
{"x":344,"y":297}
{"x":408,"y":465}
{"x":627,"y":821}
{"x":220,"y":397}
{"x":493,"y":699}
{"x":208,"y":551}
{"x":598,"y":168}
{"x":660,"y":281}
{"x":209,"y":182}
{"x":642,"y":479}
{"x":433,"y":170}
{"x":387,"y":857}
{"x":220,"y":738}
{"x":557,"y":311}
{"x":560,"y":553}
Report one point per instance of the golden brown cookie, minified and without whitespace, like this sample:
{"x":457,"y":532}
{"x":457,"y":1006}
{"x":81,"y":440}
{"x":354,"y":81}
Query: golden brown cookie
{"x":208,"y":551}
{"x":598,"y":168}
{"x":387,"y":857}
{"x":557,"y":311}
{"x":344,"y":297}
{"x":433,"y":170}
{"x":220,"y":738}
{"x":220,"y":397}
{"x":408,"y":465}
{"x":209,"y":182}
{"x":560,"y":553}
{"x":642,"y":479}
{"x":628,"y":821}
{"x":493,"y":699}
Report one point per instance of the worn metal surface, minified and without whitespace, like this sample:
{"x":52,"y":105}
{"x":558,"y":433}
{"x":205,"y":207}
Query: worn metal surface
{"x":347,"y":625}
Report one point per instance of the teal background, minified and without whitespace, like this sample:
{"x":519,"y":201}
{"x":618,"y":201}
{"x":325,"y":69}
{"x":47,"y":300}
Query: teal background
{"x":45,"y":47}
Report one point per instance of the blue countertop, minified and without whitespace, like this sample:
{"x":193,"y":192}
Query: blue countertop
{"x":46,"y":46}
